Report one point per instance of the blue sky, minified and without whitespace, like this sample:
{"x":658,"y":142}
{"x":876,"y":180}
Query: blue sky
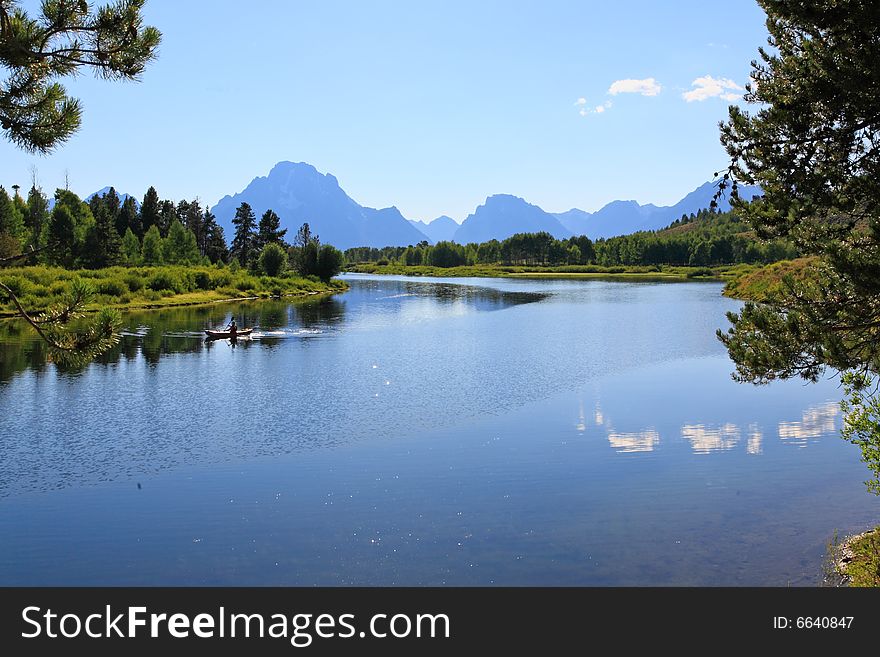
{"x":429,"y":106}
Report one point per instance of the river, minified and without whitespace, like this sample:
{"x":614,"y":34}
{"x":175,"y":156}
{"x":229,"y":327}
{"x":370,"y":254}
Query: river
{"x":422,"y":432}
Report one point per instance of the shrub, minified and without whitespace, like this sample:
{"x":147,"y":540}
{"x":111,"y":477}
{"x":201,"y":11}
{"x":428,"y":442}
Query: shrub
{"x":111,"y":287}
{"x":204,"y":280}
{"x":272,"y":260}
{"x":134,"y":282}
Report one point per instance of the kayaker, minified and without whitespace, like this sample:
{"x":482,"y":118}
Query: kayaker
{"x":232,"y":328}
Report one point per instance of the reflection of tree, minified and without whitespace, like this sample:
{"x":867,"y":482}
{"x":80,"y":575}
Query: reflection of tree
{"x":154,"y":334}
{"x":318,"y":313}
{"x":482,"y":298}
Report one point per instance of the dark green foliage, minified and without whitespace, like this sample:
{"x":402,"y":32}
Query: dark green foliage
{"x":273,"y":259}
{"x":329,"y":262}
{"x":706,"y":238}
{"x":37,"y":216}
{"x":11,"y":219}
{"x":244,"y":241}
{"x":61,"y":237}
{"x":150,"y":214}
{"x":129,"y":218}
{"x":215,"y":241}
{"x":35,"y":111}
{"x":813,"y":145}
{"x":103,"y":245}
{"x":269,"y":230}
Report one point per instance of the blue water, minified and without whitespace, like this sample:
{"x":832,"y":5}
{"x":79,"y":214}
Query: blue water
{"x":423,"y":431}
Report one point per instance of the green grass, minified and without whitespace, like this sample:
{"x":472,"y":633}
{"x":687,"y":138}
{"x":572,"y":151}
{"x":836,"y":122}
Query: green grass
{"x":663,"y":272}
{"x":151,"y":287}
{"x":861,"y":564}
{"x":767,"y":284}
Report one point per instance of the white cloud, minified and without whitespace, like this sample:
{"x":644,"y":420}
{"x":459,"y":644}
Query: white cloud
{"x":708,"y":87}
{"x":586,"y":111}
{"x":646,"y":87}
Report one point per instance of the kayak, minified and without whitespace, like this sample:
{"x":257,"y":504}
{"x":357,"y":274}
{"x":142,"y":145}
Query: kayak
{"x":216,"y":335}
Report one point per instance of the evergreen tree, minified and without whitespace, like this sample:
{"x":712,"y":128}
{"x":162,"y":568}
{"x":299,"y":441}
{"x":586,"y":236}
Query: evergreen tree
{"x":61,"y":237}
{"x":180,"y":247}
{"x":131,"y":248}
{"x":129,"y":218}
{"x":114,"y":204}
{"x":35,"y":111}
{"x":270,"y":231}
{"x":244,"y":241}
{"x":150,"y":211}
{"x":151,"y":249}
{"x":194,"y":220}
{"x":11,"y":221}
{"x":168,"y":214}
{"x":813,"y":145}
{"x":103,"y":245}
{"x":215,"y":241}
{"x":37,"y":214}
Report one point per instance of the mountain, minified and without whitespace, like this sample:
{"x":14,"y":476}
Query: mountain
{"x":624,"y":217}
{"x":502,"y":215}
{"x":440,"y":229}
{"x":299,"y":193}
{"x":122,"y":196}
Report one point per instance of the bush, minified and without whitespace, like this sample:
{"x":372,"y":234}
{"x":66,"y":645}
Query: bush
{"x":134,"y":282}
{"x":204,"y":280}
{"x":330,"y":261}
{"x":273,"y":260}
{"x":111,"y":287}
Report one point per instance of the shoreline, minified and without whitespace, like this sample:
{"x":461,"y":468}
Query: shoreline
{"x":176,"y":302}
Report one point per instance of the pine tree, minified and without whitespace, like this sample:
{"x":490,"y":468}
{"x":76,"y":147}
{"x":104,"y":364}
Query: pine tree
{"x":35,"y":111}
{"x":131,"y":248}
{"x":215,"y":241}
{"x":244,"y":241}
{"x":150,"y":211}
{"x":151,"y":250}
{"x":37,"y":216}
{"x":167,"y":215}
{"x":813,"y":145}
{"x":11,"y":221}
{"x":103,"y":245}
{"x":270,"y":231}
{"x":180,"y":247}
{"x":61,"y":237}
{"x":129,"y":218}
{"x":195,"y":222}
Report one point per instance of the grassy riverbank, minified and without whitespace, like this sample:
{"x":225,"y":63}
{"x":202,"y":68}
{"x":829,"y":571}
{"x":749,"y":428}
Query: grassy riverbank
{"x":152,"y":287}
{"x":664,"y":272}
{"x":766,"y":284}
{"x":856,"y":560}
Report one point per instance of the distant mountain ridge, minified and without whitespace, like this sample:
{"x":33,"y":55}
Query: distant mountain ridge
{"x":441,"y":229}
{"x":299,"y":193}
{"x":625,"y":217}
{"x":502,"y":215}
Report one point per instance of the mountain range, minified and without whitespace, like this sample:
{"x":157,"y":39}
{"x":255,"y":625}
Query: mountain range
{"x":299,"y":193}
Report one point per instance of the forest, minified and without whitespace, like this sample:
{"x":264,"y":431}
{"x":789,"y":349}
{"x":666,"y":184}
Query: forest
{"x":702,"y":239}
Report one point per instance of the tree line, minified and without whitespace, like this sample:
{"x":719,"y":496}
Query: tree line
{"x":700,"y":239}
{"x":108,"y":230}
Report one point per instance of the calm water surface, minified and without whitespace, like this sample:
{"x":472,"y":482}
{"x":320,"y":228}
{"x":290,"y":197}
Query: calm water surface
{"x":423,"y":431}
